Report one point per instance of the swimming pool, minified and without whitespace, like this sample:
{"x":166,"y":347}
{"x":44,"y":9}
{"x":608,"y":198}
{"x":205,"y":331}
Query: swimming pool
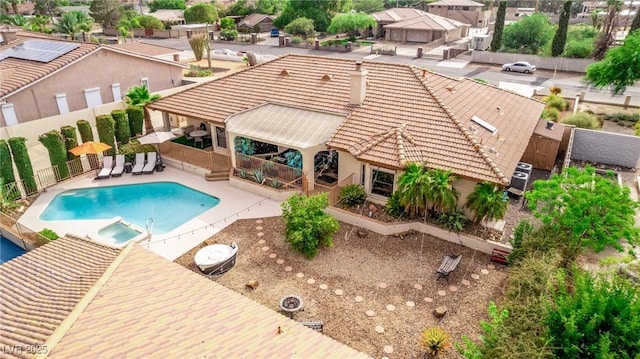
{"x":120,"y":232}
{"x":8,"y":250}
{"x":167,"y":204}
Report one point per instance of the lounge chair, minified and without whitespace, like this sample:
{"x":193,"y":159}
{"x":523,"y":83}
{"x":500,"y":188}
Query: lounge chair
{"x":118,"y":169}
{"x":139,"y":164}
{"x":151,"y":163}
{"x":107,"y":167}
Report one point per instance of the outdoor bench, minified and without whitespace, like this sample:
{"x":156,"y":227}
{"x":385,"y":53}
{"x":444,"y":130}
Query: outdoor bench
{"x":449,"y":264}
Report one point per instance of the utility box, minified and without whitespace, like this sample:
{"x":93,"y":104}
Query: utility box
{"x":481,"y":42}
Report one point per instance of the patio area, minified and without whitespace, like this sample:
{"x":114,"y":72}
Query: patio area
{"x":375,"y":294}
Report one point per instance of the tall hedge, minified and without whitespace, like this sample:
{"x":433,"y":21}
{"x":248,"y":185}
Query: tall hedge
{"x":84,"y":127}
{"x":6,"y":164}
{"x":23,"y":163}
{"x":136,"y":119}
{"x":560,"y":39}
{"x":123,"y":132}
{"x":107,"y":132}
{"x":70,"y":137}
{"x":496,"y":41}
{"x":54,"y":143}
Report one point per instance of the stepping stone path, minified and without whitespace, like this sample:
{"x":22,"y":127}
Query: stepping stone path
{"x":466,"y":282}
{"x":411,"y":304}
{"x":339,"y":292}
{"x":258,"y":221}
{"x":382,"y":285}
{"x":260,"y":234}
{"x":453,"y":288}
{"x":323,"y":286}
{"x":272,"y":255}
{"x":390,"y":307}
{"x":370,"y":313}
{"x":442,"y":293}
{"x":491,"y":266}
{"x":280,"y":261}
{"x":388,"y":349}
{"x":417,"y":286}
{"x":288,"y":269}
{"x":428,"y":300}
{"x":475,"y":276}
{"x":258,"y":228}
{"x":262,"y":241}
{"x":311,"y":281}
{"x":484,"y":271}
{"x":358,"y":299}
{"x":300,"y":275}
{"x":379,"y":329}
{"x":265,"y":248}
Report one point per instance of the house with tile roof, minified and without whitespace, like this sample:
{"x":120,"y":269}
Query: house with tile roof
{"x":249,"y":23}
{"x":391,"y":16}
{"x":75,"y":298}
{"x":465,"y":11}
{"x":376,"y":117}
{"x":426,"y":28}
{"x":36,"y":72}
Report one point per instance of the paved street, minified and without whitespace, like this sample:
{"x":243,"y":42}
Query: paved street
{"x":570,"y":83}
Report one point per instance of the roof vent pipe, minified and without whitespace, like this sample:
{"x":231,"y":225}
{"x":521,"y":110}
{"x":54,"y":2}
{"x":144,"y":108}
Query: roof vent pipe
{"x":549,"y":125}
{"x":358,"y":84}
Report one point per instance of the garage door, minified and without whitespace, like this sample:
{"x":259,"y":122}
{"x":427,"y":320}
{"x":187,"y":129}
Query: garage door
{"x":418,"y":36}
{"x":396,"y":35}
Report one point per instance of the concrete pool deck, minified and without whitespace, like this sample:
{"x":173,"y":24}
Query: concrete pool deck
{"x":234,"y":204}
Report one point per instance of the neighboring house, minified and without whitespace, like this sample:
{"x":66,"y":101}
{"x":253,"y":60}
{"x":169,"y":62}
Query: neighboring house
{"x":376,"y":116}
{"x":465,"y":11}
{"x":426,"y":28}
{"x":76,"y":298}
{"x":516,"y":13}
{"x":264,"y":21}
{"x":625,"y":17}
{"x":152,"y":50}
{"x":391,"y":16}
{"x":43,"y":76}
{"x":175,"y":17}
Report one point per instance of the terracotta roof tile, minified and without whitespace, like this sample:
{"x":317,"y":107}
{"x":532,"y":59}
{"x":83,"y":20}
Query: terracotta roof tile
{"x":144,"y":48}
{"x":435,"y":109}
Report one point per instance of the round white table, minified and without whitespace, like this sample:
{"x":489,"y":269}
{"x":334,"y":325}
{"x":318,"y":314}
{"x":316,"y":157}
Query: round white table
{"x":197,"y":135}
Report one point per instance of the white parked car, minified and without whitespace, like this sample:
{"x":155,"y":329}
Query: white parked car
{"x":520,"y":66}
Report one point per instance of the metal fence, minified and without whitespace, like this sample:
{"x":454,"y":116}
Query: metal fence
{"x":30,"y":238}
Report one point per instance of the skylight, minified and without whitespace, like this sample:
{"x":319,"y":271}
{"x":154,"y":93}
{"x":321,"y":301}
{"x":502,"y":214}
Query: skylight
{"x":487,"y":126}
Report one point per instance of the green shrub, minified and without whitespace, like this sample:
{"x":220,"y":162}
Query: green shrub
{"x":106,"y":132}
{"x":452,"y":220}
{"x":580,"y":49}
{"x":130,"y":149}
{"x":228,"y":35}
{"x":6,"y":164}
{"x":49,"y":234}
{"x":84,"y":127}
{"x":23,"y":163}
{"x":123,"y":132}
{"x":70,"y":137}
{"x":551,"y":114}
{"x":296,"y":40}
{"x":637,"y":127}
{"x":520,"y":232}
{"x":197,"y":71}
{"x":197,"y":42}
{"x":555,"y":101}
{"x":394,"y":206}
{"x":136,"y":119}
{"x":307,"y":224}
{"x":352,"y":195}
{"x":634,"y":117}
{"x":54,"y":143}
{"x":243,"y":174}
{"x":555,"y":90}
{"x":582,"y":120}
{"x":258,"y":176}
{"x":275,"y":183}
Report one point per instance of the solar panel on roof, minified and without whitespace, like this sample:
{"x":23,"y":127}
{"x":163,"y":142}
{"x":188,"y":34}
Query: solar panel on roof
{"x":39,"y":50}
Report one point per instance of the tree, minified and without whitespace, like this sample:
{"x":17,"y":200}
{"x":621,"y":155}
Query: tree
{"x":201,"y":14}
{"x":15,"y":20}
{"x":269,"y":7}
{"x":149,"y":22}
{"x":496,"y":41}
{"x":320,"y":11}
{"x":596,"y":19}
{"x":47,"y":8}
{"x":196,"y":42}
{"x":620,"y":67}
{"x":240,"y":8}
{"x":560,"y":39}
{"x":54,"y":143}
{"x":156,"y":5}
{"x":40,"y":23}
{"x":591,"y":210}
{"x":635,"y":25}
{"x":140,"y":96}
{"x":351,"y":23}
{"x":441,"y":194}
{"x":605,"y":40}
{"x":73,"y":22}
{"x":595,"y":318}
{"x":107,"y":13}
{"x":300,"y":27}
{"x":345,"y":6}
{"x":227,"y":23}
{"x":307,"y":224}
{"x":412,"y":189}
{"x":126,"y":26}
{"x":368,"y":6}
{"x":528,"y":35}
{"x":487,"y":202}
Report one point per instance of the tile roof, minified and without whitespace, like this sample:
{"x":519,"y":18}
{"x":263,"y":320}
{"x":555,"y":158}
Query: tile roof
{"x":397,"y":14}
{"x":455,"y":3}
{"x":253,"y":20}
{"x":39,"y":289}
{"x":426,"y":22}
{"x":143,"y":48}
{"x":16,"y":74}
{"x":132,"y":303}
{"x":435,"y":109}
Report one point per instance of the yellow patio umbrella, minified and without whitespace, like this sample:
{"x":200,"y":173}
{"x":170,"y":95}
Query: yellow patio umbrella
{"x":89,"y":147}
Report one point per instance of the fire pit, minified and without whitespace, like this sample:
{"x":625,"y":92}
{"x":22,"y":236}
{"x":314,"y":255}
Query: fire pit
{"x":291,"y":304}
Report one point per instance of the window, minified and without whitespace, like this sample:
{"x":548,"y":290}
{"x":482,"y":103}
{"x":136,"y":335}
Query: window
{"x":117,"y":94}
{"x":449,"y":7}
{"x":465,"y":8}
{"x":93,"y":97}
{"x":145,"y":81}
{"x":382,"y":183}
{"x":221,"y":137}
{"x":9,"y":114}
{"x":61,"y":100}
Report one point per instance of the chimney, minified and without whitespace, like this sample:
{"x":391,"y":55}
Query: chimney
{"x":8,"y":35}
{"x":549,"y":125}
{"x":358,"y":84}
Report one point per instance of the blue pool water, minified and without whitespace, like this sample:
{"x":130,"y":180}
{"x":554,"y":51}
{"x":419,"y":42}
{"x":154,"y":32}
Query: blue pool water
{"x":8,"y":250}
{"x":169,"y":204}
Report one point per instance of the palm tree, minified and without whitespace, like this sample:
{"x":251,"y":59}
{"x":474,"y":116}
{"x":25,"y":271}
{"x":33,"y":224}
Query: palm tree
{"x":140,"y":96}
{"x":73,"y":22}
{"x":441,"y":193}
{"x":39,"y":23}
{"x":487,"y":202}
{"x":412,"y":188}
{"x":126,"y":25}
{"x":15,"y":20}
